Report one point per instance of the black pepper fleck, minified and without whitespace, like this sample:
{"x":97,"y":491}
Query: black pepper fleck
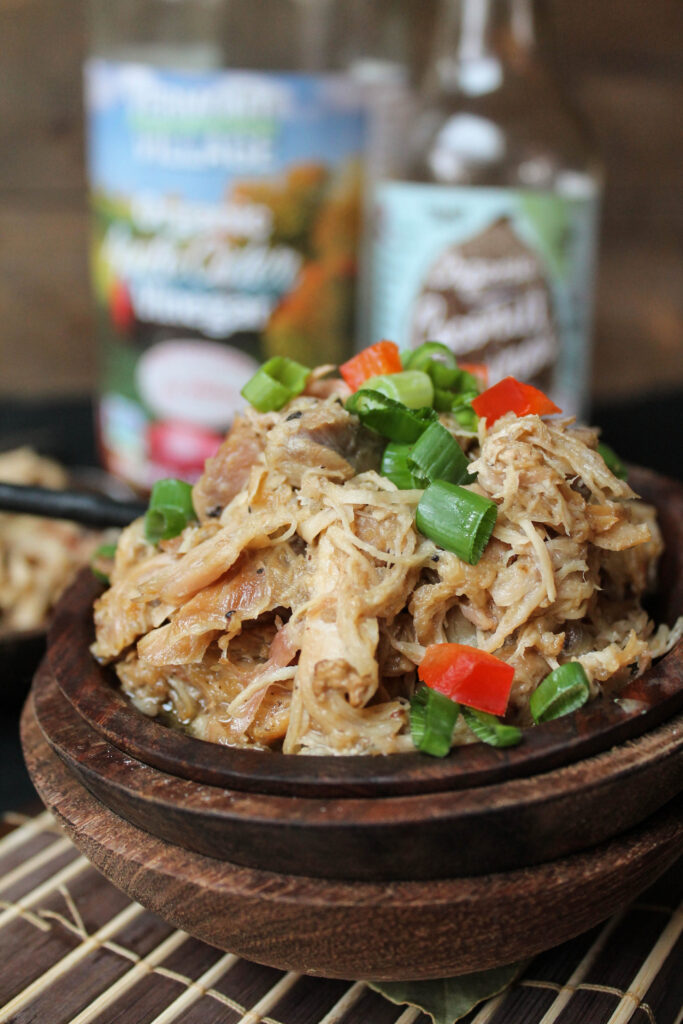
{"x":260,"y":571}
{"x":293,"y":416}
{"x":213,"y":513}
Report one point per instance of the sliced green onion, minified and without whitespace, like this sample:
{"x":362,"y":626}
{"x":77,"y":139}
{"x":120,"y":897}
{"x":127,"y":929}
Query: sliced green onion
{"x":563,"y":691}
{"x":469,"y":384}
{"x":445,"y":377}
{"x":612,"y":461}
{"x":461,"y":407}
{"x":457,"y":381}
{"x":432,"y":721}
{"x":170,"y":510}
{"x":437,"y":456}
{"x":449,"y":378}
{"x":452,"y":386}
{"x":431,"y":352}
{"x":411,"y":387}
{"x":464,"y":398}
{"x":489,"y":729}
{"x":443,"y":400}
{"x":389,"y":418}
{"x":275,"y":383}
{"x":457,"y":520}
{"x":105,"y":552}
{"x":395,"y":466}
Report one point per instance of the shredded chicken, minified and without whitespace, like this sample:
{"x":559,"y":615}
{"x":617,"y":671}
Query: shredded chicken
{"x":38,"y":557}
{"x":294,"y":614}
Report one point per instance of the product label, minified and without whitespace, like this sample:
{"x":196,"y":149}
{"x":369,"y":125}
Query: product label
{"x":501,"y":276}
{"x":226,"y":213}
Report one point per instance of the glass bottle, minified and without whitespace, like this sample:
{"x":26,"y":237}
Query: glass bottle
{"x":227,"y":140}
{"x":484,"y":236}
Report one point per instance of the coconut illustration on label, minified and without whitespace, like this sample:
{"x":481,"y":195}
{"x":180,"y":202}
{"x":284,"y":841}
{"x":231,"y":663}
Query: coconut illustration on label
{"x":191,"y":388}
{"x":489,"y":299}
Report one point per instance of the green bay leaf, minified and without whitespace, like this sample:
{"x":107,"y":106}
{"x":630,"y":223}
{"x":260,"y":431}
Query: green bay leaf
{"x":448,"y":1000}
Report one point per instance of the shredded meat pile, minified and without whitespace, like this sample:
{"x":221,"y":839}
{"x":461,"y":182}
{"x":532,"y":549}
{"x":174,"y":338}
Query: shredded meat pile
{"x":38,"y":557}
{"x":294,"y":613}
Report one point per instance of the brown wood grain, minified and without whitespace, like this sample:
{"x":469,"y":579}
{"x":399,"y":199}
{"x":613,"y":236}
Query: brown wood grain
{"x":463,"y":832}
{"x":353,"y":929}
{"x":45,"y":332}
{"x":621,"y":66}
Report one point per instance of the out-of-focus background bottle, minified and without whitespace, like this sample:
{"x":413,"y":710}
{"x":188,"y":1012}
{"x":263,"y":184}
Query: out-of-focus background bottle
{"x":620,"y":65}
{"x":484,"y":234}
{"x":227,"y":146}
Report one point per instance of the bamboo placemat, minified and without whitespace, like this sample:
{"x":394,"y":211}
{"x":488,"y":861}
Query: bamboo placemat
{"x":74,"y":950}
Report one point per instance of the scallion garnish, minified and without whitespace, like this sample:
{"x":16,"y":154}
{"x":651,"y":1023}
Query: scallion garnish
{"x":395,"y":465}
{"x":436,"y":455}
{"x":612,"y":461}
{"x":456,"y":519}
{"x":443,"y":400}
{"x":461,"y":407}
{"x":490,"y":730}
{"x":453,"y":387}
{"x":432,"y":721}
{"x":431,"y":351}
{"x":439,"y":362}
{"x":565,"y":690}
{"x":444,"y":377}
{"x":389,"y":418}
{"x":105,"y":553}
{"x":412,"y":388}
{"x":275,"y":383}
{"x":170,"y":510}
{"x":456,"y":381}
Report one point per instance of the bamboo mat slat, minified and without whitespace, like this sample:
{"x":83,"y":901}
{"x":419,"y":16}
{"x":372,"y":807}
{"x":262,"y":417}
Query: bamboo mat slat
{"x":74,"y":950}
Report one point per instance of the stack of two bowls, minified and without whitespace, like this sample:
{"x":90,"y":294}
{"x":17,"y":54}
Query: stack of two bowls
{"x":378,"y":868}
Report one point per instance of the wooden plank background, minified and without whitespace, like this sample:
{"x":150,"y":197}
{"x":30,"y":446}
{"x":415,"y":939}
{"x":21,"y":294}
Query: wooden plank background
{"x":620,"y":61}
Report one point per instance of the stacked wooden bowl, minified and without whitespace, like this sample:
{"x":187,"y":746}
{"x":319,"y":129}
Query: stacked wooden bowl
{"x":395,"y":868}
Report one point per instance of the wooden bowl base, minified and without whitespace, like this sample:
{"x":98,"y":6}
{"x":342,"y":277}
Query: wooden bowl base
{"x":390,"y":931}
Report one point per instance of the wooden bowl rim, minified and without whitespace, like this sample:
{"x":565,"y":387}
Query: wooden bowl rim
{"x":321,"y":926}
{"x":597,"y":726}
{"x":398,"y":837}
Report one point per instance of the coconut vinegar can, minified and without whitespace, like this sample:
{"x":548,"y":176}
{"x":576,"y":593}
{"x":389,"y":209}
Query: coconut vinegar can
{"x":227,"y":142}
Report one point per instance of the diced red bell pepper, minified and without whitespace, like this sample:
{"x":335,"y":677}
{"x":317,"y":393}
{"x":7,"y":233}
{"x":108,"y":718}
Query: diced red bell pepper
{"x":383,"y":357}
{"x":468,"y":676}
{"x":510,"y":395}
{"x":478,"y":370}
